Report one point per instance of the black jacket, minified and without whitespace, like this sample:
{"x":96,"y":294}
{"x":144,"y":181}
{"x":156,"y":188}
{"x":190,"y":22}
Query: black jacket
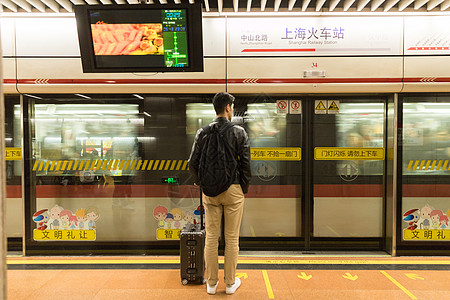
{"x":238,"y":139}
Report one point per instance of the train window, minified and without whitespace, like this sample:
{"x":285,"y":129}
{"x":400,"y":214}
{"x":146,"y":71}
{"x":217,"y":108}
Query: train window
{"x":425,"y":167}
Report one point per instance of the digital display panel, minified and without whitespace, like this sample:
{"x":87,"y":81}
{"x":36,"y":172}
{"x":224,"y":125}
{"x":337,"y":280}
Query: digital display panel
{"x":140,"y":38}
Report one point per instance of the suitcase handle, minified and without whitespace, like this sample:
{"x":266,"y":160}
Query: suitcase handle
{"x":201,"y":209}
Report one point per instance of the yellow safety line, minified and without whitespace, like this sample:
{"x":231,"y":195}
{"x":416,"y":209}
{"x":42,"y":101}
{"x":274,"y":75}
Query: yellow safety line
{"x":36,"y":163}
{"x":47,"y":164}
{"x":161,"y":165}
{"x":272,"y":261}
{"x":150,"y":163}
{"x":127,"y":165}
{"x":399,"y":285}
{"x":415,"y":165}
{"x":64,"y":165}
{"x":75,"y":165}
{"x":93,"y":163}
{"x":139,"y":163}
{"x":439,"y":165}
{"x":428,"y":164}
{"x":173,"y":165}
{"x":69,"y":167}
{"x":179,"y":164}
{"x":268,"y":286}
{"x":167,"y":165}
{"x":155,"y":165}
{"x":184,"y":165}
{"x":145,"y":164}
{"x":41,"y":166}
{"x":58,"y":165}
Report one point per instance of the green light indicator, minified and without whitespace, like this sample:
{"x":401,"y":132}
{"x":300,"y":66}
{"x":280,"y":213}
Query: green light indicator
{"x":172,"y":180}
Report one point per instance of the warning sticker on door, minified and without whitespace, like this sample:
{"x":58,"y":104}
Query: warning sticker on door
{"x":282,"y":106}
{"x":295,"y":107}
{"x":333,"y":106}
{"x":320,"y":107}
{"x":344,"y":153}
{"x":276,"y":153}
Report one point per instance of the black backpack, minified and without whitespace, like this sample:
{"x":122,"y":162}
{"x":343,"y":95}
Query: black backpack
{"x":218,"y":165}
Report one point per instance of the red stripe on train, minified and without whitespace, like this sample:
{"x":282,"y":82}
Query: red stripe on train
{"x":255,"y":191}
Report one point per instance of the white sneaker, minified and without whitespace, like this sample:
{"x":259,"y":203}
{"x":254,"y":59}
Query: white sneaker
{"x":230,"y":290}
{"x":211,"y":289}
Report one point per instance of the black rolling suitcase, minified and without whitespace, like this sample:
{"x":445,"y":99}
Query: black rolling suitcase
{"x":192,"y":247}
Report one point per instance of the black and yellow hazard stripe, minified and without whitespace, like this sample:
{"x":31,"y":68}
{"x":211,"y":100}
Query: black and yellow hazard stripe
{"x":428,"y":165}
{"x":111,"y":164}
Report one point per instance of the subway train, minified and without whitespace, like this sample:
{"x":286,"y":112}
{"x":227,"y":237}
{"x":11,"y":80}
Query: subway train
{"x":347,"y":117}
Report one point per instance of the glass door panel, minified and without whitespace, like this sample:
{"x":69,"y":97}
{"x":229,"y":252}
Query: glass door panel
{"x":425,"y":203}
{"x":348,"y":168}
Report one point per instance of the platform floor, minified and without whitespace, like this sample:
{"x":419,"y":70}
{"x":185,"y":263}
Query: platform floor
{"x":263,"y":277}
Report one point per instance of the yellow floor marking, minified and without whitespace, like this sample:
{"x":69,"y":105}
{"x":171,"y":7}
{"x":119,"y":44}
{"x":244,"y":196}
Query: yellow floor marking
{"x":268,"y":286}
{"x":144,"y":165}
{"x":422,"y":163}
{"x":398,"y":285}
{"x":415,"y":165}
{"x":414,"y":276}
{"x":428,"y":164}
{"x":439,"y":165}
{"x":179,"y":164}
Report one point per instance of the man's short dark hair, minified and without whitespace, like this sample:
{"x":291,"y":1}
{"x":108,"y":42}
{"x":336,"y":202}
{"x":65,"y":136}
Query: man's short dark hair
{"x":221,"y":100}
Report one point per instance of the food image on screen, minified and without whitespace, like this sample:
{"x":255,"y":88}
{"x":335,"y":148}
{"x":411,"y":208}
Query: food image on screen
{"x":127,"y":39}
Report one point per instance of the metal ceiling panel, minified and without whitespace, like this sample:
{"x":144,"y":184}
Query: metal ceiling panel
{"x":243,"y":6}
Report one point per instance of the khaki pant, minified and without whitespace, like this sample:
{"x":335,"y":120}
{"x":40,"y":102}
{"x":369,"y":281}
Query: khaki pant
{"x":231,"y":202}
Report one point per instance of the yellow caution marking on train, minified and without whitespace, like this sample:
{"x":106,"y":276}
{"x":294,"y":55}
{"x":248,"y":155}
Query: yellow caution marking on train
{"x":110,"y":164}
{"x":410,"y":165}
{"x":427,"y":165}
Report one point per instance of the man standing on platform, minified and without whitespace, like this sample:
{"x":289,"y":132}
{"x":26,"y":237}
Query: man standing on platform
{"x":220,"y":164}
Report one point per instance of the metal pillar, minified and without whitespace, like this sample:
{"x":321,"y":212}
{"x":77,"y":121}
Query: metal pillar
{"x":3,"y":249}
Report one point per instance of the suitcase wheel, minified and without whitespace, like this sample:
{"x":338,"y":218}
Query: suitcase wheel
{"x":184,"y":281}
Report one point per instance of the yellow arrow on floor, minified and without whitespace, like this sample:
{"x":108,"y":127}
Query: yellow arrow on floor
{"x":304,"y":276}
{"x":240,"y":275}
{"x":414,"y":276}
{"x":349,"y":276}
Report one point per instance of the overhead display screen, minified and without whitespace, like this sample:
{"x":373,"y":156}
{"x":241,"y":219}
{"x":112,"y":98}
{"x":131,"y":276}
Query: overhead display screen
{"x":147,"y":39}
